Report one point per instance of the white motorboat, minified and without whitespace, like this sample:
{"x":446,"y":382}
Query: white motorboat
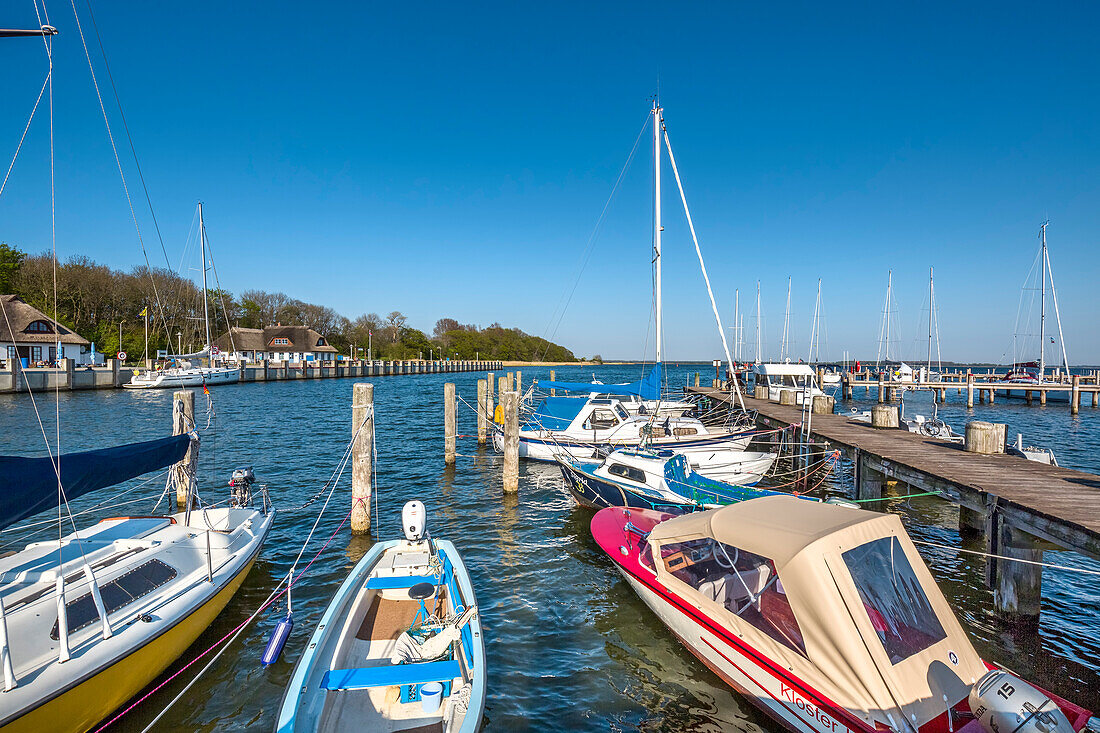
{"x":797,"y":378}
{"x":90,"y":619}
{"x":578,"y":427}
{"x":399,"y":648}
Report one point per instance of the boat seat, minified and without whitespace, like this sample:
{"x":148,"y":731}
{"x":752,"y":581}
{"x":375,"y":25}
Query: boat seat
{"x":400,"y":581}
{"x":728,"y":590}
{"x":388,"y":675}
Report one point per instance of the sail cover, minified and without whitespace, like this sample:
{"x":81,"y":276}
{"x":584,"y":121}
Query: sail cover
{"x":648,"y":388}
{"x":29,"y":485}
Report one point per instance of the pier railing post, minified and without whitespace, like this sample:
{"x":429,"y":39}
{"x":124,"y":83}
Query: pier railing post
{"x":449,"y":429}
{"x":362,"y":430}
{"x":482,"y":411}
{"x":183,"y":421}
{"x":510,"y":400}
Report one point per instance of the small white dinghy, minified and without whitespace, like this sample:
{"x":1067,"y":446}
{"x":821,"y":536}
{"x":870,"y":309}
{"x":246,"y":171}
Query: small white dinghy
{"x":399,"y":648}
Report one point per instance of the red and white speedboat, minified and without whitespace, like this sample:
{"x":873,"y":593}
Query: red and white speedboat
{"x":824,"y":616}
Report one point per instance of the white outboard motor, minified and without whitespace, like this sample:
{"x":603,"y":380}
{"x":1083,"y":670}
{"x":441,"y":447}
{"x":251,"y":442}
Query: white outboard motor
{"x":1003,"y":703}
{"x":412,"y":520}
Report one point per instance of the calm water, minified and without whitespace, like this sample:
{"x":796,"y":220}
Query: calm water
{"x":570,"y":646}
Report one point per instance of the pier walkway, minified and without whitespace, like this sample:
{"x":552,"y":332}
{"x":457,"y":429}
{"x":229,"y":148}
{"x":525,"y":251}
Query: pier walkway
{"x":1018,"y":506}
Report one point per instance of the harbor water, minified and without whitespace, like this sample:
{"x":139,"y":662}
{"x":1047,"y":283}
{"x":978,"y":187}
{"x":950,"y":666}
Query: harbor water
{"x":569,"y":645}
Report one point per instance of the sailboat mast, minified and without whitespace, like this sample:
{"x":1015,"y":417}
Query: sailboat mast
{"x":657,"y":228}
{"x":205,"y":307}
{"x":889,"y":287}
{"x":813,"y":329}
{"x":931,"y":307}
{"x":786,"y":324}
{"x":1043,"y":305}
{"x":757,"y":321}
{"x":737,"y":321}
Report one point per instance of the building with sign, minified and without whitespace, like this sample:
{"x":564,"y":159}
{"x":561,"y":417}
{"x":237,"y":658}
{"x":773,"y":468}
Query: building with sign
{"x":30,"y":336}
{"x":276,"y":343}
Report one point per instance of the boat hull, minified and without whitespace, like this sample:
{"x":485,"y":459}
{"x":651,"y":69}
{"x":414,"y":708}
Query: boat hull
{"x":90,"y":701}
{"x":591,"y":492}
{"x":550,"y":448}
{"x":1052,"y":396}
{"x":191,"y":378}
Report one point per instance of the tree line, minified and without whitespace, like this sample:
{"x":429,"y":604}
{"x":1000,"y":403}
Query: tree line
{"x":95,"y":300}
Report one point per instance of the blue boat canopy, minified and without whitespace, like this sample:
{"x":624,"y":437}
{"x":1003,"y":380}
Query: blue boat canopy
{"x":29,"y":485}
{"x":648,"y":388}
{"x":555,"y":413}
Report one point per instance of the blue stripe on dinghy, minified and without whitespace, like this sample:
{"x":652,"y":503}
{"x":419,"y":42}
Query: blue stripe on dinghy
{"x":401,"y":581}
{"x":390,"y":674}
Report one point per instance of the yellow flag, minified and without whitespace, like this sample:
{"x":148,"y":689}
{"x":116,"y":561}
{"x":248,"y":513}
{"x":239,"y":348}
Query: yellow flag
{"x":144,"y":311}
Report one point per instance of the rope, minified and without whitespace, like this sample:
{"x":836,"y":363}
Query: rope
{"x":1083,"y":571}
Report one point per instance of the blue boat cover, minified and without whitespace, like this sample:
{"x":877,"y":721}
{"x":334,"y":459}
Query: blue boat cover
{"x":29,"y":485}
{"x":691,"y":485}
{"x":648,"y":388}
{"x":555,"y":413}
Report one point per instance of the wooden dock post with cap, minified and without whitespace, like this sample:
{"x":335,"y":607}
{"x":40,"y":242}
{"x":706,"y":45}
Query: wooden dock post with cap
{"x":362,"y":430}
{"x":482,"y":411}
{"x":518,"y":386}
{"x":553,"y":392}
{"x":1075,"y":395}
{"x":183,"y":421}
{"x":510,"y":400}
{"x":450,"y":432}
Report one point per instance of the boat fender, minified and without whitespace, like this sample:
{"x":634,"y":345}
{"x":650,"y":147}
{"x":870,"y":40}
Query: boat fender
{"x":277,"y":640}
{"x":1003,"y":702}
{"x":498,"y":415}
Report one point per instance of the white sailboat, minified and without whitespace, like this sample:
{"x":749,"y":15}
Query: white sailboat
{"x":186,"y":373}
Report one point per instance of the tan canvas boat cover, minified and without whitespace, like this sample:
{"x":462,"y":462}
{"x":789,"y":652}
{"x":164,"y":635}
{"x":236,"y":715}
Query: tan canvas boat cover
{"x":846,"y":658}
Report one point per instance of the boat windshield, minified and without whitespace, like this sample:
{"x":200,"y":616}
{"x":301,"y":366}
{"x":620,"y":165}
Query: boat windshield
{"x":744,"y":583}
{"x":797,"y":381}
{"x":893,"y":597}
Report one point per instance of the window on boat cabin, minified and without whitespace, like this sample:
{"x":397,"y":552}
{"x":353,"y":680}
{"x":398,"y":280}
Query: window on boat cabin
{"x":601,"y":418}
{"x":628,"y":472}
{"x":745,"y":583}
{"x":797,"y":381}
{"x":122,"y":591}
{"x":893,"y":597}
{"x":621,"y":411}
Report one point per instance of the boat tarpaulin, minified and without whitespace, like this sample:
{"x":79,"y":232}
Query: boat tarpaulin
{"x":29,"y":485}
{"x":648,"y":388}
{"x":555,"y":413}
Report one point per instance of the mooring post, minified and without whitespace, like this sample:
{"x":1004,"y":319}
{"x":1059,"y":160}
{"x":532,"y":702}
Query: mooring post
{"x":519,"y":383}
{"x":696,"y":379}
{"x":183,"y":421}
{"x":869,"y":484}
{"x":482,"y":411}
{"x":881,"y":388}
{"x":449,"y":428}
{"x":1095,"y":398}
{"x":362,"y":430}
{"x":991,"y":391}
{"x":885,"y":416}
{"x":969,"y":391}
{"x":1042,"y":398}
{"x":1017,"y":586}
{"x":984,"y":437}
{"x":554,"y":391}
{"x":490,"y":394}
{"x":511,"y":442}
{"x":1075,"y":395}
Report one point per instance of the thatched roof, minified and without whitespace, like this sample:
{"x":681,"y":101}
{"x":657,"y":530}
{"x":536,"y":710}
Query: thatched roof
{"x":17,"y":317}
{"x":299,"y":339}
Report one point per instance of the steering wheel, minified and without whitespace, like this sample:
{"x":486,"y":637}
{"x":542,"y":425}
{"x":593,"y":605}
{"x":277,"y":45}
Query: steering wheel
{"x":718,"y":552}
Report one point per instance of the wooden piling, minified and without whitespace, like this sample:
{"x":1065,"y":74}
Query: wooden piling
{"x":991,"y":395}
{"x":884,"y":416}
{"x":696,"y":379}
{"x":482,"y":411}
{"x":823,"y":404}
{"x":786,"y":397}
{"x":969,"y":391}
{"x":553,"y":391}
{"x":183,"y":421}
{"x":1095,"y":398}
{"x":511,"y":442}
{"x":449,"y":428}
{"x":490,"y":379}
{"x":1017,"y":586}
{"x":362,"y":430}
{"x":1027,"y":396}
{"x":881,"y":389}
{"x":1075,"y":395}
{"x":518,"y":384}
{"x":984,"y":437}
{"x":1042,"y":398}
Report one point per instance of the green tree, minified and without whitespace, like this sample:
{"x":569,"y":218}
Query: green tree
{"x":10,"y":260}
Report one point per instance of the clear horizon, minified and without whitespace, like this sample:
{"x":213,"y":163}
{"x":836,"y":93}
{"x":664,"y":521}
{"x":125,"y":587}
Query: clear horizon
{"x":453,"y":162}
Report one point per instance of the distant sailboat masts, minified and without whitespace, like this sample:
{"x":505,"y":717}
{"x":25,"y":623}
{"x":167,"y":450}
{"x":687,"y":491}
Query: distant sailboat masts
{"x":1047,"y":272}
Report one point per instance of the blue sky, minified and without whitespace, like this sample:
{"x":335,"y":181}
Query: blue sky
{"x":452,"y":160}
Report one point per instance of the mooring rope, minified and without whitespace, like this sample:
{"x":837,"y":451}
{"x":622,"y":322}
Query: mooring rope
{"x":1083,"y":571}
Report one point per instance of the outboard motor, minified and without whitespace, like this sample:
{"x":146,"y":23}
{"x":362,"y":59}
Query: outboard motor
{"x":1003,"y":703}
{"x":241,"y":484}
{"x":412,"y":520}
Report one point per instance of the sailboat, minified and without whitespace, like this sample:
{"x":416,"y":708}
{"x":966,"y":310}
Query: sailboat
{"x":896,"y":371}
{"x":1034,"y":373}
{"x":185,"y":373}
{"x":583,"y":427}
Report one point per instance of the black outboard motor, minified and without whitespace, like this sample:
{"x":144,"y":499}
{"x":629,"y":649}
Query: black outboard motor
{"x":241,"y":484}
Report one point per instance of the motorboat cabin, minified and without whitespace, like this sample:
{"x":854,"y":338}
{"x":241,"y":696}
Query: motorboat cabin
{"x":825,"y":616}
{"x":798,"y":378}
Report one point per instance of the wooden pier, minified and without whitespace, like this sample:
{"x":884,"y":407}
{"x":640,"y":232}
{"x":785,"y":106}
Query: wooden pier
{"x":13,"y":378}
{"x":1018,"y":507}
